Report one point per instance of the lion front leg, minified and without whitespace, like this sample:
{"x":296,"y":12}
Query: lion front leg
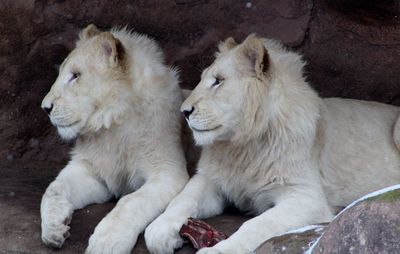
{"x":294,"y":209}
{"x":199,"y":199}
{"x":118,"y":231}
{"x":74,"y":188}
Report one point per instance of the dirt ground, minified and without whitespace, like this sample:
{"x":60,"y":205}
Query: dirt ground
{"x":21,"y":189}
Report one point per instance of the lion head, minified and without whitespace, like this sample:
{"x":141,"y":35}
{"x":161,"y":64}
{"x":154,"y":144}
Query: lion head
{"x":253,"y":90}
{"x":227,"y":100}
{"x":92,"y":90}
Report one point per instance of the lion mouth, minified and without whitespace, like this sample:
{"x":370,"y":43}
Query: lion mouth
{"x":67,"y":125}
{"x":205,"y":130}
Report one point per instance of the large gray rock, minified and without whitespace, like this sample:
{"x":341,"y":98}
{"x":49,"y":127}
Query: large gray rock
{"x":369,"y":226}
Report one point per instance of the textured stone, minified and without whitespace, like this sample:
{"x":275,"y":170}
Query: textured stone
{"x":353,"y":48}
{"x":370,"y":226}
{"x":293,"y":242}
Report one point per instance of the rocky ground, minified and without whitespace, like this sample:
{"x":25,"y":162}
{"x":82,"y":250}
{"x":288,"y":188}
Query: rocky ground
{"x":21,"y":189}
{"x":352,"y":47}
{"x":368,"y":226}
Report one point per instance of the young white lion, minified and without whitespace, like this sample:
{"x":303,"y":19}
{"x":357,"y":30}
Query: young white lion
{"x":272,"y":147}
{"x":122,"y":103}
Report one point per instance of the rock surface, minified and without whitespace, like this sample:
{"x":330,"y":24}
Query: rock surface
{"x":296,"y":242}
{"x":370,"y":226}
{"x":352,"y":48}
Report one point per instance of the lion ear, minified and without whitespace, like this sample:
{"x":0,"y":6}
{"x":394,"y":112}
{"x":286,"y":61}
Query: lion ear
{"x":226,"y":45}
{"x":88,"y":32}
{"x":254,"y":51}
{"x":111,"y":48}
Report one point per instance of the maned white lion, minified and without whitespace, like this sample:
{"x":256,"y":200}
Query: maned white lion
{"x":272,"y":147}
{"x":115,"y":95}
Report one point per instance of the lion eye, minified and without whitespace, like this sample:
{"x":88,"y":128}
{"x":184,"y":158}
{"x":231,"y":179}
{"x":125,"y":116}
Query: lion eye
{"x":217,"y":82}
{"x":74,"y":76}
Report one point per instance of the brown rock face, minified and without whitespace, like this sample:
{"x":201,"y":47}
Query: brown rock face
{"x":371,"y":226}
{"x":352,"y":48}
{"x":36,"y":35}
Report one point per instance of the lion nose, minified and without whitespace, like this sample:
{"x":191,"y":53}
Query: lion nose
{"x":48,"y":109}
{"x":187,"y":113}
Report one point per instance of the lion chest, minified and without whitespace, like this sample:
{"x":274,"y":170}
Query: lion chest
{"x":121,"y":177}
{"x":248,"y":192}
{"x":114,"y":166}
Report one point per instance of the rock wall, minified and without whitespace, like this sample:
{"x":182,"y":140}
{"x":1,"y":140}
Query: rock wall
{"x":352,"y":47}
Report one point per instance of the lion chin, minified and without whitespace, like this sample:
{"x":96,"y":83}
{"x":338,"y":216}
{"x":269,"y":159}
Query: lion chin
{"x":118,"y":99}
{"x":68,"y":133}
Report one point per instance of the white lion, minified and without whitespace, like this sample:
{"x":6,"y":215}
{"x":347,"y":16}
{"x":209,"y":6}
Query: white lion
{"x":115,"y":95}
{"x":272,"y":147}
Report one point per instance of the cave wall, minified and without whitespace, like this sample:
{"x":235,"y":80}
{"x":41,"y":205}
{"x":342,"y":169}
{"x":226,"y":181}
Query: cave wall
{"x":352,"y":47}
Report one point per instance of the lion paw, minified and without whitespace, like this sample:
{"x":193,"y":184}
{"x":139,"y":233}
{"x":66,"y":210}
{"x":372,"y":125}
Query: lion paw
{"x":55,"y":235}
{"x":162,"y":236}
{"x":111,"y":237}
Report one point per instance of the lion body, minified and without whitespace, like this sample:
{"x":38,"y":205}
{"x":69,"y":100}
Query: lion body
{"x":357,"y":150}
{"x":274,"y":148}
{"x":151,"y":128}
{"x":115,"y":95}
